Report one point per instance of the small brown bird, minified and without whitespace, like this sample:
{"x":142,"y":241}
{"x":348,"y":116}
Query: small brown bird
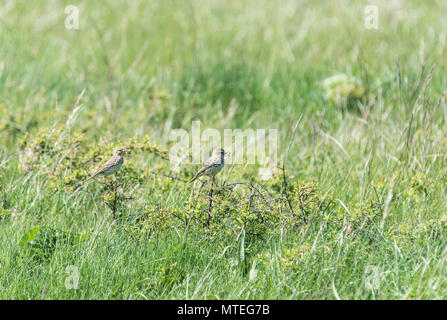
{"x":109,"y":167}
{"x":112,"y":165}
{"x":212,"y":166}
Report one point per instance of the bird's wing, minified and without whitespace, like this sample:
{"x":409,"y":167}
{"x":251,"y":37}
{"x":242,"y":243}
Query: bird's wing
{"x":208,"y":163}
{"x":199,"y":173}
{"x":109,"y":163}
{"x":203,"y":169}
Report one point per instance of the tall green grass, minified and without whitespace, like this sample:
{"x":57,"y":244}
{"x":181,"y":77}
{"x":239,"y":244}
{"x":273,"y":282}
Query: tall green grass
{"x":151,"y":66}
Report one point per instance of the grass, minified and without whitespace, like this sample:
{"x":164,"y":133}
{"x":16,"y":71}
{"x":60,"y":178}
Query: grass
{"x":147,"y":67}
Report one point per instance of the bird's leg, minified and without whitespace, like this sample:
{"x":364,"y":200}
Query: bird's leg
{"x":201,"y":186}
{"x":210,"y":205}
{"x":115,"y":196}
{"x":110,"y":182}
{"x":113,"y":188}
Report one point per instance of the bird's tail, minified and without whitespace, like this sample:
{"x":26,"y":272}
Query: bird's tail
{"x":92,"y":177}
{"x":82,"y":185}
{"x":88,"y":179}
{"x":193,"y":179}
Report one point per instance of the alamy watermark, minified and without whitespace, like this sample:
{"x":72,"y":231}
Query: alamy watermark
{"x":371,"y":17}
{"x":244,"y":146}
{"x":72,"y":280}
{"x":373,"y":277}
{"x":72,"y":18}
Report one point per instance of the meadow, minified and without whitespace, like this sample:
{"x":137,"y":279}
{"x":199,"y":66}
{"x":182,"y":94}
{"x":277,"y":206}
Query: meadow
{"x":356,"y":207}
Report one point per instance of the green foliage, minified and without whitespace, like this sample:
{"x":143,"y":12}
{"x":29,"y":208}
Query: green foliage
{"x":344,"y":90}
{"x":363,"y":193}
{"x":250,"y":208}
{"x":40,"y":241}
{"x":68,"y":158}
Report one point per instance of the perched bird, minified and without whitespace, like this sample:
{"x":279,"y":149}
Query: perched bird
{"x":212,"y":166}
{"x":109,"y":167}
{"x":112,"y":165}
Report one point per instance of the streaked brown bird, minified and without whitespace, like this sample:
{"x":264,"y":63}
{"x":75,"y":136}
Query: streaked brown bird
{"x":212,"y":166}
{"x":112,"y":165}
